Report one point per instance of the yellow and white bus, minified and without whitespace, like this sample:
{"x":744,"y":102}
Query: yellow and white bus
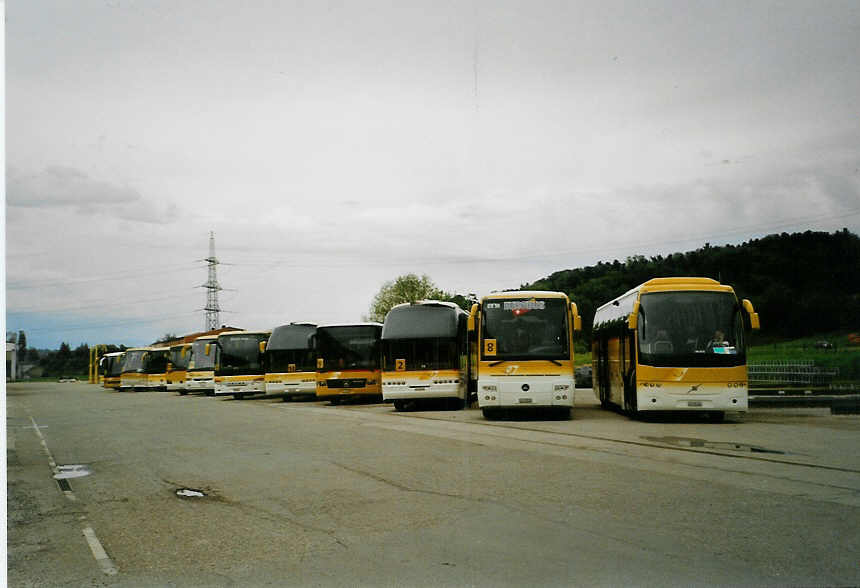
{"x":425,"y":354}
{"x":348,"y":358}
{"x":240,"y":369}
{"x":111,"y":365}
{"x":673,"y":344}
{"x":177,"y":368}
{"x":200,"y":375}
{"x":144,"y":368}
{"x":291,"y":361}
{"x":525,"y":347}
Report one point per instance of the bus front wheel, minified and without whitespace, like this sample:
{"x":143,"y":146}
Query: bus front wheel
{"x":399,"y":405}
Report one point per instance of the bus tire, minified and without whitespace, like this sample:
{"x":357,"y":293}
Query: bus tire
{"x":238,"y":396}
{"x":604,"y":397}
{"x":490,"y":414}
{"x":399,"y":405}
{"x":183,"y":392}
{"x":334,"y":401}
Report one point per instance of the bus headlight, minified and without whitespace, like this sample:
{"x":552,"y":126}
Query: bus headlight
{"x":488,"y":387}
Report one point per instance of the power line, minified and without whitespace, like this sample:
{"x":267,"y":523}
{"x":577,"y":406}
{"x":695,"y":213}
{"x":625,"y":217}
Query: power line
{"x":124,"y":275}
{"x":97,"y":304}
{"x":281,"y":263}
{"x":108,"y":325}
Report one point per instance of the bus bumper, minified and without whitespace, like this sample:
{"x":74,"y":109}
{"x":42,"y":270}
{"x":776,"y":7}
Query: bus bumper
{"x":525,"y":392}
{"x":670,"y":396}
{"x":291,"y":388}
{"x":245,"y":388}
{"x":414,"y":391}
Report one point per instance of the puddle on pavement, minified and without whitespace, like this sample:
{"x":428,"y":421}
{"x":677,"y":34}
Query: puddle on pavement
{"x":189,"y":493}
{"x":72,"y":471}
{"x":703,"y":444}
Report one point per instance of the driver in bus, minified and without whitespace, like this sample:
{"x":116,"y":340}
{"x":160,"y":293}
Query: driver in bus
{"x":719,"y":340}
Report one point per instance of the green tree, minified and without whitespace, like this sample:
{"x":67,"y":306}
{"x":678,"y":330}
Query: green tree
{"x":167,"y":337}
{"x":406,"y":288}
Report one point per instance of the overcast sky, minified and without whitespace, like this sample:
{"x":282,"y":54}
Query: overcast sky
{"x":332,"y":146}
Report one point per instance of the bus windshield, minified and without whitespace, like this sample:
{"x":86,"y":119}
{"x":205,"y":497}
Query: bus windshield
{"x":156,"y":362}
{"x":280,"y":360}
{"x":349,"y":347}
{"x":114,"y":367}
{"x":524,"y":329}
{"x":133,"y":361}
{"x":179,"y":362}
{"x":198,"y":352}
{"x":690,"y":329}
{"x":437,"y":353}
{"x":240,"y":354}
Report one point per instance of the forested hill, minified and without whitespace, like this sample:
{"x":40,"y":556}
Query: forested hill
{"x":800,"y":283}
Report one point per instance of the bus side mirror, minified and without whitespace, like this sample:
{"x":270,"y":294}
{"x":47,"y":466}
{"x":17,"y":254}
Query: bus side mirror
{"x":262,"y":346}
{"x":473,"y":315}
{"x":633,"y":317}
{"x":207,"y":349}
{"x":577,"y":320}
{"x":754,"y":323}
{"x":182,"y":353}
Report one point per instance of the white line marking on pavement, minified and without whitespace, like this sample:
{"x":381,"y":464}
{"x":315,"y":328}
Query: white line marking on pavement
{"x":99,"y":552}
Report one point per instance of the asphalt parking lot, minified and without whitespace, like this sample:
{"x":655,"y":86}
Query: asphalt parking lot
{"x":162,"y":489}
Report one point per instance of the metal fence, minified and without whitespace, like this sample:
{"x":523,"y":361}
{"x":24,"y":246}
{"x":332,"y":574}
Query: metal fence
{"x":789,"y":373}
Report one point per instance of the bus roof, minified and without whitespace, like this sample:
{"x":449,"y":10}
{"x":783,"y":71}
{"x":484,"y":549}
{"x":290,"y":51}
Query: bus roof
{"x":622,"y":306}
{"x":140,"y":349}
{"x":235,"y":333}
{"x":526,"y":294}
{"x":425,"y":303}
{"x":159,"y":349}
{"x":114,"y":354}
{"x":366,"y":324}
{"x":180,"y":345}
{"x":424,"y":319}
{"x":291,"y":336}
{"x":207,"y":338}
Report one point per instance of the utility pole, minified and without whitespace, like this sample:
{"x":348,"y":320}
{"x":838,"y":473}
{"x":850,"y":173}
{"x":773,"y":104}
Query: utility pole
{"x":213,"y":310}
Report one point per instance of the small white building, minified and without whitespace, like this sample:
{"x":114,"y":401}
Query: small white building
{"x":11,"y":362}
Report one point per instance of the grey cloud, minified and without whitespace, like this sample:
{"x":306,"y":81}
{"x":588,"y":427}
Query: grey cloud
{"x":66,"y":187}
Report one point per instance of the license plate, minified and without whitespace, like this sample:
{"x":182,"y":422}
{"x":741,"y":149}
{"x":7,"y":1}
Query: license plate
{"x":525,"y":400}
{"x":694,"y":403}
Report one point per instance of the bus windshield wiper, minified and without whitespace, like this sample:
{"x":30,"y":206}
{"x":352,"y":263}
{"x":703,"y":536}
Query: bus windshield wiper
{"x":556,"y":362}
{"x":495,"y":363}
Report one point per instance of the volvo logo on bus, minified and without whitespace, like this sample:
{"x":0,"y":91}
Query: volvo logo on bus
{"x":525,"y":387}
